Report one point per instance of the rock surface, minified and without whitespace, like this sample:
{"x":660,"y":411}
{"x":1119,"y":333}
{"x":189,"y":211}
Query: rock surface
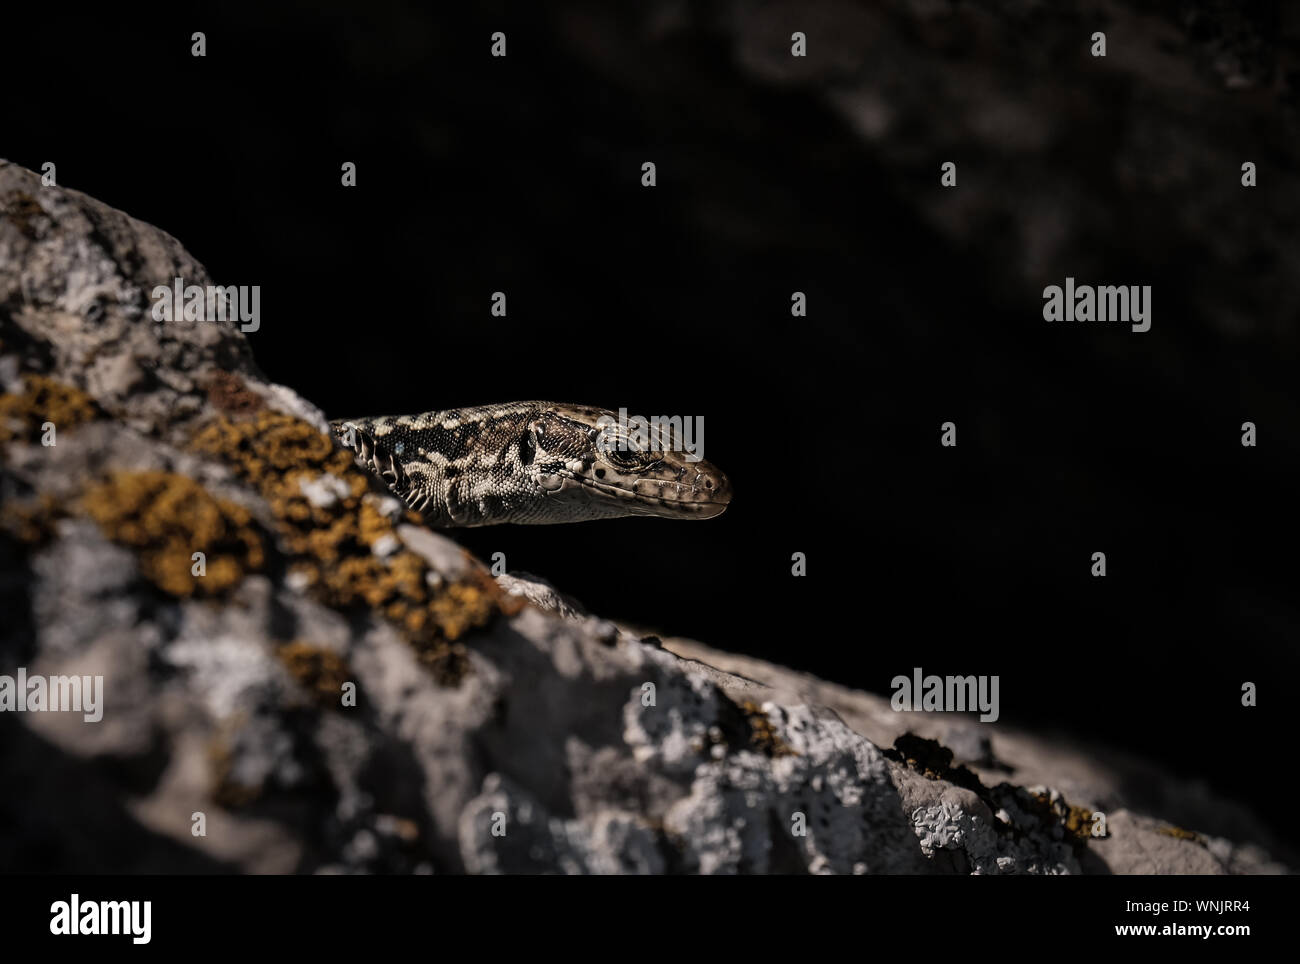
{"x":496,"y":727}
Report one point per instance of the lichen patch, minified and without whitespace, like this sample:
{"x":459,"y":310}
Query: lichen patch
{"x":43,"y":399}
{"x":167,"y":518}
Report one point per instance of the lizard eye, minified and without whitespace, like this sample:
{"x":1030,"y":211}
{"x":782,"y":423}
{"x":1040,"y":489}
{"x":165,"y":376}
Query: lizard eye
{"x":624,"y":458}
{"x":628,"y":455}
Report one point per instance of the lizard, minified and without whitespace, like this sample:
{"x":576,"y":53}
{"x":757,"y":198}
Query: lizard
{"x":535,"y":463}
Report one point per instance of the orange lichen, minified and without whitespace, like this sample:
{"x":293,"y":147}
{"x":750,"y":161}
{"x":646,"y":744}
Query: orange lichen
{"x":167,"y":518}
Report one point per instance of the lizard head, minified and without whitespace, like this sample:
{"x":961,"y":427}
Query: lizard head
{"x":606,"y":468}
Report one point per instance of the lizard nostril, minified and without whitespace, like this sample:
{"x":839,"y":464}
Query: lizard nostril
{"x":600,"y":473}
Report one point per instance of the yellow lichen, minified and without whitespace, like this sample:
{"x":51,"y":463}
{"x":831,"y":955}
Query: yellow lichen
{"x":1179,"y":833}
{"x":167,"y":518}
{"x":42,"y":400}
{"x":271,"y":443}
{"x":1075,"y":821}
{"x":1078,"y":823}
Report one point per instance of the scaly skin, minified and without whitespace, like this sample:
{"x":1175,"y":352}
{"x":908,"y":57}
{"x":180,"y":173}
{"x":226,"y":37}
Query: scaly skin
{"x":528,"y":462}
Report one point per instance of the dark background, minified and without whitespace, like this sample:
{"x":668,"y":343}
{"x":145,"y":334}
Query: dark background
{"x":523,"y":175}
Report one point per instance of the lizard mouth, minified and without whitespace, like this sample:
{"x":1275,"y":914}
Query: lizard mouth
{"x":658,"y":504}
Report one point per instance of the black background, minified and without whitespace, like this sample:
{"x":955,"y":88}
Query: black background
{"x":523,"y":175}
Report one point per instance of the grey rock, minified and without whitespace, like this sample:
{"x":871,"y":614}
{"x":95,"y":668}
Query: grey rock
{"x":541,"y":594}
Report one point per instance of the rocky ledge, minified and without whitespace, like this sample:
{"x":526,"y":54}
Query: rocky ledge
{"x":299,"y":677}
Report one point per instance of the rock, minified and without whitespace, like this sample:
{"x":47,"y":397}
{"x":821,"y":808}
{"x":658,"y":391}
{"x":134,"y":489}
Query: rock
{"x":1054,"y":774}
{"x":331,"y":687}
{"x":541,"y":594}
